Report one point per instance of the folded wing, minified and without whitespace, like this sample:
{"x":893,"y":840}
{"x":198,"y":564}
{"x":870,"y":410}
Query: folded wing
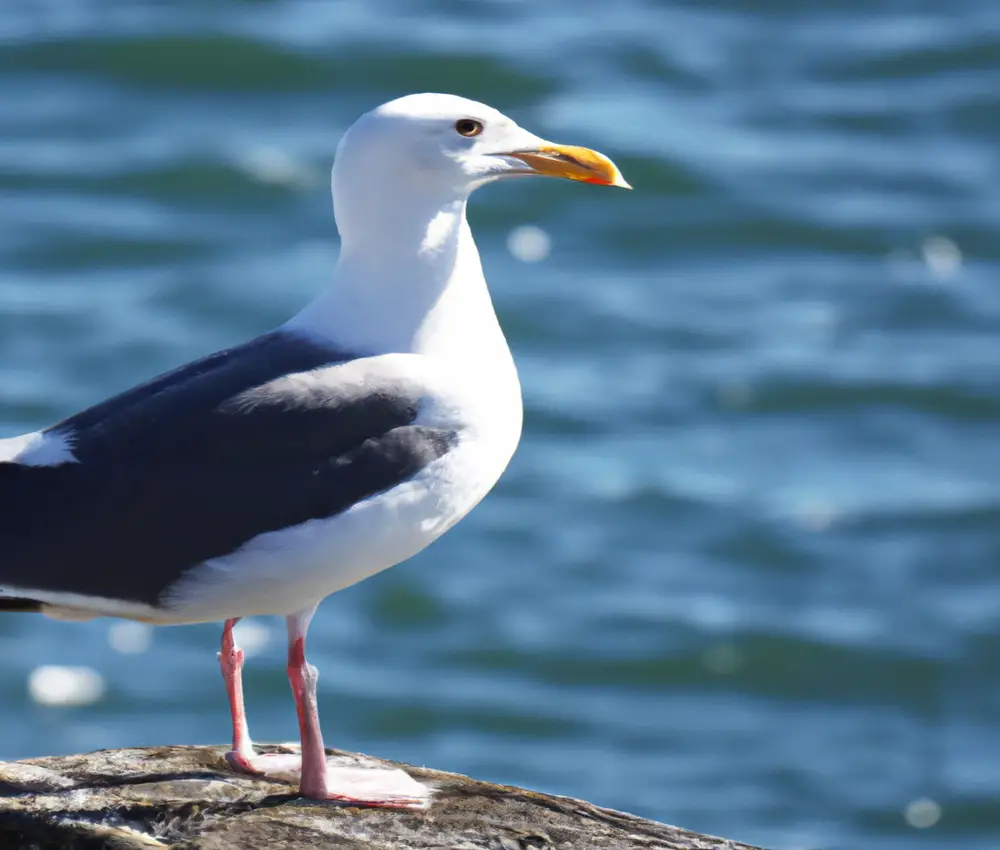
{"x":193,"y":464}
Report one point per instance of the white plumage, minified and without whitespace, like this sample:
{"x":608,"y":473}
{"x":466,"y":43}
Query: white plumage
{"x":264,"y":478}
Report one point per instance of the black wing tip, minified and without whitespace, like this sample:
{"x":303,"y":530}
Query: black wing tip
{"x":9,"y":605}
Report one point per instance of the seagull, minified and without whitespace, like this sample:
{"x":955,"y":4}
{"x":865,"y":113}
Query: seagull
{"x":263,"y":478}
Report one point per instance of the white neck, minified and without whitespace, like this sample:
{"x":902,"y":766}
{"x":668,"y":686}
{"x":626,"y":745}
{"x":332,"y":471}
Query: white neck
{"x":413,"y":284}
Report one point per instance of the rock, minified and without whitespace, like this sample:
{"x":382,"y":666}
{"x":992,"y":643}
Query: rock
{"x":187,"y":798}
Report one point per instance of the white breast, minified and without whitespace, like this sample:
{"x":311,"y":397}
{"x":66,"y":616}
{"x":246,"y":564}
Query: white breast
{"x":432,"y":306}
{"x":284,"y":571}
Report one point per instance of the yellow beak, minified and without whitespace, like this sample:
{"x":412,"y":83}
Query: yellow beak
{"x":573,"y":163}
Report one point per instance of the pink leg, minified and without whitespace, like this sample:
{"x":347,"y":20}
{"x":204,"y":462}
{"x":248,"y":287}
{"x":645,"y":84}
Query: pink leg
{"x":391,"y":788}
{"x":231,"y":661}
{"x":315,"y":779}
{"x":303,"y":676}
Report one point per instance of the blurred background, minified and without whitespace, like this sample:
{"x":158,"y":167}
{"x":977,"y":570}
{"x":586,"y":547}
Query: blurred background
{"x":744,"y":573}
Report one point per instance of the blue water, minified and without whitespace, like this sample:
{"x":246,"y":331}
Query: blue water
{"x":744,"y":573}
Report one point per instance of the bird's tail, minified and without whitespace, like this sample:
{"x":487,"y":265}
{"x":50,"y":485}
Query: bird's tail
{"x":14,"y":604}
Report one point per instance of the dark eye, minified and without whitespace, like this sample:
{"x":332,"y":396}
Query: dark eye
{"x":468,"y":127}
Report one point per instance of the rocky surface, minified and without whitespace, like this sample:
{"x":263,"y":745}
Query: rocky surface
{"x":187,"y":798}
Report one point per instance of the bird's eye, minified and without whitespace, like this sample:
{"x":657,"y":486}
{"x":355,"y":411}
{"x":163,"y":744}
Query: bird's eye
{"x":468,"y":127}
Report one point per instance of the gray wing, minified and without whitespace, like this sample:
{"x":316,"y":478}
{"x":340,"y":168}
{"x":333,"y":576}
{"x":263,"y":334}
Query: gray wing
{"x":195,"y":463}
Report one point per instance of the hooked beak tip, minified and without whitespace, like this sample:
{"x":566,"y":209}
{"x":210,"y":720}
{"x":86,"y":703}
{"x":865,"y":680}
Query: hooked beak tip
{"x":572,"y":163}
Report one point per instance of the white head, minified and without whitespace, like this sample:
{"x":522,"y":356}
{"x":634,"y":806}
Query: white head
{"x":430,"y":150}
{"x":408,"y":277}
